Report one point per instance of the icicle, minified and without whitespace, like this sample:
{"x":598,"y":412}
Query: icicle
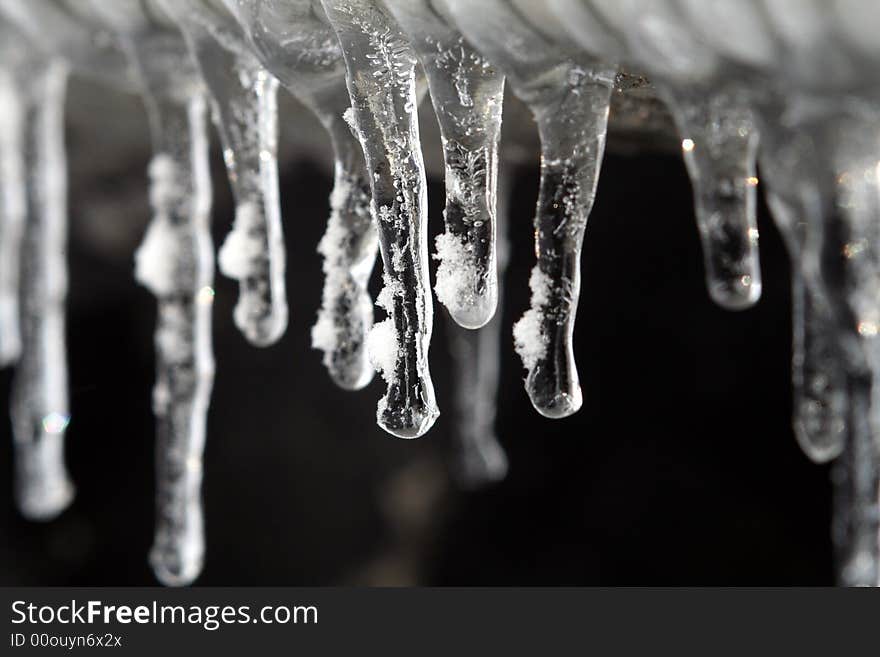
{"x":570,"y":102}
{"x":844,"y":169}
{"x":477,"y":456}
{"x":821,"y":168}
{"x":720,"y":144}
{"x":294,"y":42}
{"x":349,"y":250}
{"x":719,"y":136}
{"x":467,"y":93}
{"x":819,"y":395}
{"x":244,"y":106}
{"x":857,"y":263}
{"x":856,"y":478}
{"x":176,"y":263}
{"x":39,"y":401}
{"x":69,"y":31}
{"x":819,"y":398}
{"x":382,"y":85}
{"x":13,"y":211}
{"x":572,"y":129}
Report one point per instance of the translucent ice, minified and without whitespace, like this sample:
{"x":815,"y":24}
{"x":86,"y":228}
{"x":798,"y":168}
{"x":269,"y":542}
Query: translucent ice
{"x":39,"y":400}
{"x":856,"y":478}
{"x":719,"y":137}
{"x":819,"y":395}
{"x":70,"y":30}
{"x":181,"y":278}
{"x":720,"y":144}
{"x":839,"y":167}
{"x":477,"y":457}
{"x":13,"y":209}
{"x":381,"y":79}
{"x":176,"y":263}
{"x":467,"y":93}
{"x":819,"y":382}
{"x":349,"y":250}
{"x":293,"y":40}
{"x":570,"y":99}
{"x":243,"y":97}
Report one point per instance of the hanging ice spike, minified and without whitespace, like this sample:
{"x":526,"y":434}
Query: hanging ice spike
{"x":244,"y":107}
{"x":382,"y":84}
{"x":12,"y":213}
{"x":477,"y":457}
{"x":39,"y":399}
{"x":570,"y":101}
{"x":825,"y":201}
{"x":720,"y":148}
{"x":819,"y":396}
{"x":467,"y":93}
{"x":296,"y":44}
{"x":840,"y":254}
{"x":175,"y":262}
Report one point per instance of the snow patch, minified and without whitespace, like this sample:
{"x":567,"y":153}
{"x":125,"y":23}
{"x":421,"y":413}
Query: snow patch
{"x":383,"y":349}
{"x":529,"y":340}
{"x":244,"y":245}
{"x":155,"y":258}
{"x":456,"y":273}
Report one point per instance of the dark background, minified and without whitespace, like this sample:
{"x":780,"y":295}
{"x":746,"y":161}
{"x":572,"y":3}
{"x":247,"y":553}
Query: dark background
{"x":681,"y":468}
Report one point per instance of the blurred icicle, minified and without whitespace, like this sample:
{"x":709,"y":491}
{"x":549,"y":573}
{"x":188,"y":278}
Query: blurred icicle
{"x":175,"y":262}
{"x":39,"y":400}
{"x":13,"y":210}
{"x":720,"y":148}
{"x":294,"y":41}
{"x":477,"y":456}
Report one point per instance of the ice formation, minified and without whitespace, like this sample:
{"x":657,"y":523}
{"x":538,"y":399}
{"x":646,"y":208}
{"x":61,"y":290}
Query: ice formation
{"x":181,"y":277}
{"x":381,"y":78}
{"x":569,"y":95}
{"x":293,"y":40}
{"x":720,"y":151}
{"x":476,"y":456}
{"x":792,"y":85}
{"x":244,"y":107}
{"x":12,"y":215}
{"x":467,"y":92}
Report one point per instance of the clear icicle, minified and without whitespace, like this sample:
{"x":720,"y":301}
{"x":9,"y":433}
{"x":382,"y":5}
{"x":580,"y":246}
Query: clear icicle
{"x":856,"y":479}
{"x":477,"y":458}
{"x":68,"y":29}
{"x":295,"y":43}
{"x":845,"y":170}
{"x":572,"y":130}
{"x":467,"y":93}
{"x":244,"y":103}
{"x":349,"y":251}
{"x":819,"y":398}
{"x":13,"y":210}
{"x":175,"y":262}
{"x":819,"y":395}
{"x":720,"y":145}
{"x":382,"y":84}
{"x":570,"y":101}
{"x":39,"y":400}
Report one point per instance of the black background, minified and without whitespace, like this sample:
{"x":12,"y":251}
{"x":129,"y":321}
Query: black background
{"x":681,"y":468}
